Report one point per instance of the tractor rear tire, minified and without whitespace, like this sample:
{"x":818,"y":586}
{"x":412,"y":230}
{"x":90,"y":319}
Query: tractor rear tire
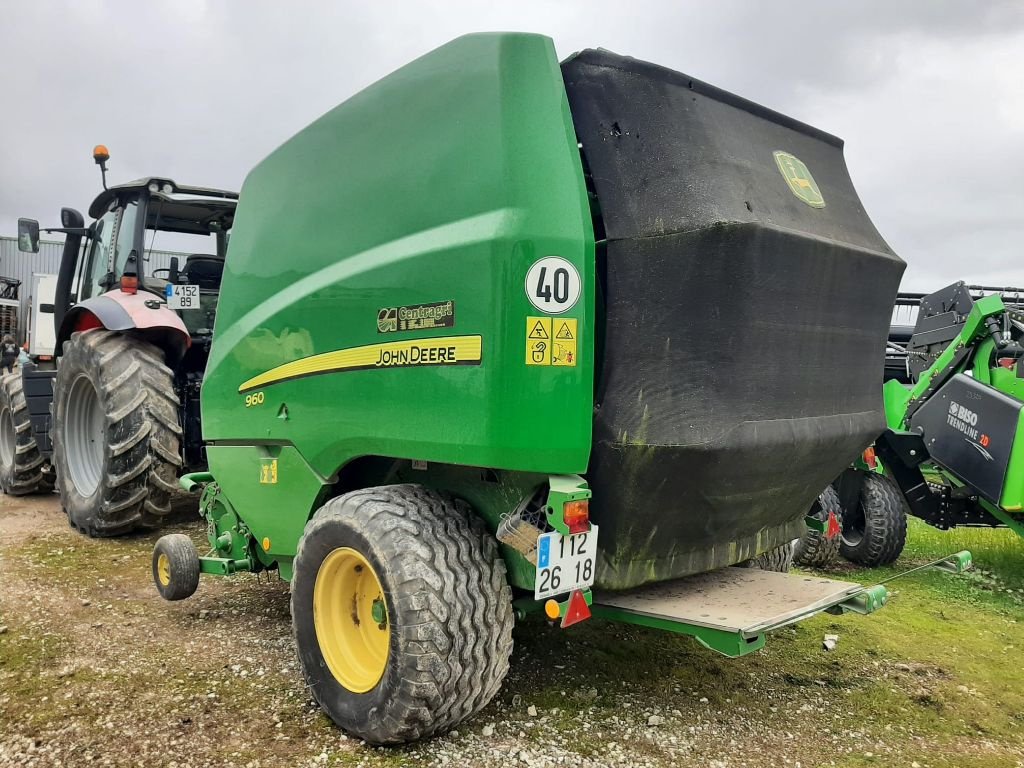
{"x":779,"y":559}
{"x":23,"y":468}
{"x":116,"y":433}
{"x":816,"y":549}
{"x":875,"y":532}
{"x":401,"y":611}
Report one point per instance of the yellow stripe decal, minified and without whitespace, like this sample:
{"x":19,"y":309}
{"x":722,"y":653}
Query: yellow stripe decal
{"x":443,"y":350}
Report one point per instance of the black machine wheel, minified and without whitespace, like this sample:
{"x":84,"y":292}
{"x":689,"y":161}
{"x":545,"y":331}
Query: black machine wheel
{"x":401,"y":611}
{"x":23,"y":468}
{"x":875,"y":532}
{"x":116,"y":433}
{"x":816,"y":549}
{"x":175,"y":566}
{"x":778,"y":559}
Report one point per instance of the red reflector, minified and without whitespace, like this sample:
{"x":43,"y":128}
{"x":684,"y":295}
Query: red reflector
{"x":833,"y":528}
{"x":869,"y":458}
{"x":577,"y":516}
{"x":46,"y":357}
{"x":576,"y":611}
{"x":129,"y":284}
{"x":1007,"y":362}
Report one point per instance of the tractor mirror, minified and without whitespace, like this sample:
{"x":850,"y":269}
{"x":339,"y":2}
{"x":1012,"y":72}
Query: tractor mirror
{"x":71,"y":219}
{"x":28,"y":235}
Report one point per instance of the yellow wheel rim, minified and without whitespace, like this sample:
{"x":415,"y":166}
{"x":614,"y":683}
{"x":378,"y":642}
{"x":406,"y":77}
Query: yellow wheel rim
{"x":351,"y":621}
{"x":163,"y":569}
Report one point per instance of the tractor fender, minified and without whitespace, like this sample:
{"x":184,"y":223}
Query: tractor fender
{"x":120,"y":311}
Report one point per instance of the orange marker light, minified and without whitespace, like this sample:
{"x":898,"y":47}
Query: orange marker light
{"x":100,"y":153}
{"x":552,"y":610}
{"x":129,"y":284}
{"x":869,"y":458}
{"x":266,"y":544}
{"x":577,"y":516}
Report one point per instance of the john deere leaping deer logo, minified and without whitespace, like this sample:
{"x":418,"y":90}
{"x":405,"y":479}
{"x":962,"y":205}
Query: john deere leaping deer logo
{"x":799,"y":179}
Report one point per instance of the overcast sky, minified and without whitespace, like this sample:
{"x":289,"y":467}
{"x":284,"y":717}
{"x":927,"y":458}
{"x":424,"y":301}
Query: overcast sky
{"x":928,"y":95}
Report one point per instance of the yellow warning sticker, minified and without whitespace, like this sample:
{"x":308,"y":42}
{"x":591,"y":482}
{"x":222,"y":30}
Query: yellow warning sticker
{"x":551,"y":341}
{"x":268,"y":471}
{"x":538,"y":341}
{"x":563,"y":350}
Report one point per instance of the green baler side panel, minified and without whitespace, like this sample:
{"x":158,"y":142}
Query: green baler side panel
{"x":445,"y":181}
{"x":265,"y":484}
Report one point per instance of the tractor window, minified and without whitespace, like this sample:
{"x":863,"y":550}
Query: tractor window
{"x":126,"y":231}
{"x":96,"y":268}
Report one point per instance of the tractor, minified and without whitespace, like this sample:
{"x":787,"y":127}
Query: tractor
{"x":117,"y":421}
{"x":502,"y":335}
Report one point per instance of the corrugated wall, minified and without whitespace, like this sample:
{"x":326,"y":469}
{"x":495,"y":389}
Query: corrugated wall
{"x":21,"y":266}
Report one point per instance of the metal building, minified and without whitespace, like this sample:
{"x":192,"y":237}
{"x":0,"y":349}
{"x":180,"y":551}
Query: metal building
{"x":20,"y":266}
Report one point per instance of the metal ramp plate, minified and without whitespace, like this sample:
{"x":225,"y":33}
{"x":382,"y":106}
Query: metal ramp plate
{"x":745,"y":601}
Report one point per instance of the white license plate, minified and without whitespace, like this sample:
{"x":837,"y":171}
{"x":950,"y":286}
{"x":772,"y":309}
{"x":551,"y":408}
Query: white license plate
{"x":182,"y":296}
{"x":565,"y":563}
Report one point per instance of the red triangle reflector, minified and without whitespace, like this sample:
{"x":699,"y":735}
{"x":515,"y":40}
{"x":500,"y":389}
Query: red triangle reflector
{"x":833,"y":529}
{"x":576,"y":611}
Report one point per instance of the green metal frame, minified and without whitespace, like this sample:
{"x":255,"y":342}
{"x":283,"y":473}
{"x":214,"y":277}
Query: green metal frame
{"x":731,"y":644}
{"x":898,"y":399}
{"x":734,"y":644}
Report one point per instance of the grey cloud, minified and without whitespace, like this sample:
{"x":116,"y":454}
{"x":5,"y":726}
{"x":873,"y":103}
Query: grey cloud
{"x":926,"y":95}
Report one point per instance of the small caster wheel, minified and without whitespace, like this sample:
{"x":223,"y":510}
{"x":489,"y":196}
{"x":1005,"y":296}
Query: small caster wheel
{"x":175,"y":566}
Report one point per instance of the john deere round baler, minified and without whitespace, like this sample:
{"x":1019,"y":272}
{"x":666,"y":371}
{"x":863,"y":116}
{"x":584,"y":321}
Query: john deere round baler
{"x":498,"y":334}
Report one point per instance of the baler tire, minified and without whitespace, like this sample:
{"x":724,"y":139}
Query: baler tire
{"x":124,"y":397}
{"x":448,"y":611}
{"x":816,"y":549}
{"x":23,"y":468}
{"x":876,"y":531}
{"x":779,"y":559}
{"x":175,"y":567}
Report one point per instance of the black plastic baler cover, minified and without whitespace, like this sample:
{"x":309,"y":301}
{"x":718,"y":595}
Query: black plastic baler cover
{"x":740,"y":368}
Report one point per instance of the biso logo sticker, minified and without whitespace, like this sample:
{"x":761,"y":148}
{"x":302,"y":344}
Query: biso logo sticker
{"x":799,"y":178}
{"x":553,"y":285}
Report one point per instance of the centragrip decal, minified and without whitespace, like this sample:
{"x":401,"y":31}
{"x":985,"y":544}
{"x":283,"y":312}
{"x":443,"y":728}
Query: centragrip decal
{"x":443,"y":350}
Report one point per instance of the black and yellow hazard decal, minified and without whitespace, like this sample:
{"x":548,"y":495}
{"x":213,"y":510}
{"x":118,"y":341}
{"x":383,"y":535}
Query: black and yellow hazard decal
{"x":798,"y":177}
{"x":551,"y":341}
{"x":444,"y":350}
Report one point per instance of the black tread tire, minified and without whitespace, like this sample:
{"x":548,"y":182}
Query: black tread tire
{"x":876,"y":532}
{"x":184,"y":566}
{"x":815,"y":549}
{"x":29,"y":472}
{"x":448,"y":602}
{"x":779,"y":559}
{"x":142,"y":455}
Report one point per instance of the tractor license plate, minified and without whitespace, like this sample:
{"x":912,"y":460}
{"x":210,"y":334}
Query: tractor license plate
{"x":565,"y":563}
{"x":182,"y":296}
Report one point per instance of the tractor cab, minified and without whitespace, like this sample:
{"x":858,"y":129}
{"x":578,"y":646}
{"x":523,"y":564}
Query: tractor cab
{"x":117,"y":251}
{"x":133,"y":219}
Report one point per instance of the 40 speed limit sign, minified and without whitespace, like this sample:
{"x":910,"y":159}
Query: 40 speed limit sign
{"x":553,"y":285}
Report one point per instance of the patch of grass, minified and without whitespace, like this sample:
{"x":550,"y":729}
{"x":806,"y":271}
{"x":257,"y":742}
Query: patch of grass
{"x":996,"y":550}
{"x":29,"y":659}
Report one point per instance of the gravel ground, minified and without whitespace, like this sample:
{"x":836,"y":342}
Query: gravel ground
{"x":96,"y":670}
